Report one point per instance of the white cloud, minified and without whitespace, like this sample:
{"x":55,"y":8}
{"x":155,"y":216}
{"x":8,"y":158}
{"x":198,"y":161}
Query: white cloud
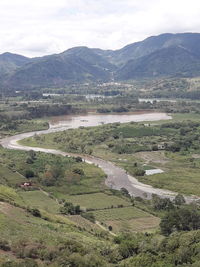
{"x":39,"y":27}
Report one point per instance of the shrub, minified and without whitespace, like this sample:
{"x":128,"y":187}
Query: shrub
{"x":69,"y":208}
{"x":139,"y":172}
{"x":179,"y":199}
{"x":29,"y":173}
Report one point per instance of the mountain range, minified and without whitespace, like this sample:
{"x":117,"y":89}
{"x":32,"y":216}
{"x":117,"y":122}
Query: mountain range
{"x":165,"y":55}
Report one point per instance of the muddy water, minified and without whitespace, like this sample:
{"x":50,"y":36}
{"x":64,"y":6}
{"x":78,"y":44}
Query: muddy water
{"x":116,"y":177}
{"x":98,"y":119}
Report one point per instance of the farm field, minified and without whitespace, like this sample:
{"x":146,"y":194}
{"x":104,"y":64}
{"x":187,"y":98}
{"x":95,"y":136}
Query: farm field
{"x":38,"y":199}
{"x":149,"y":224}
{"x":127,"y":219}
{"x":97,"y":201}
{"x":125,"y":213}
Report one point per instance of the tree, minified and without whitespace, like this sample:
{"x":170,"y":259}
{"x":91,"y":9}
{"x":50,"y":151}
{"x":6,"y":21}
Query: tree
{"x":161,"y":203}
{"x":69,"y":208}
{"x":183,"y":219}
{"x":110,"y":228}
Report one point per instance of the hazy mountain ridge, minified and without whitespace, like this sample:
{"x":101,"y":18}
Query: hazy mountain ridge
{"x":162,"y":55}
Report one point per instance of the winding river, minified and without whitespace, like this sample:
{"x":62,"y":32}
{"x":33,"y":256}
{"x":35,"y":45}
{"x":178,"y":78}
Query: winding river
{"x":117,"y":177}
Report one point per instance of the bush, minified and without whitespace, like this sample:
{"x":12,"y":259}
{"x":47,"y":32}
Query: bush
{"x":69,"y":208}
{"x":161,"y":203}
{"x":183,"y":219}
{"x":139,"y":172}
{"x":35,"y":212}
{"x":179,"y":199}
{"x":4,"y":245}
{"x":110,"y":228}
{"x":29,"y":173}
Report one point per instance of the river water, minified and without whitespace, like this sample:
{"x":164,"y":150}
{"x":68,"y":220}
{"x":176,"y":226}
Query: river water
{"x":86,"y":120}
{"x":117,"y":177}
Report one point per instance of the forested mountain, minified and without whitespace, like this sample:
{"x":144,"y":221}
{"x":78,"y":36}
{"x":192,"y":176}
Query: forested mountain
{"x":10,"y":62}
{"x":172,"y":61}
{"x":188,"y":41}
{"x":164,"y":55}
{"x":55,"y":70}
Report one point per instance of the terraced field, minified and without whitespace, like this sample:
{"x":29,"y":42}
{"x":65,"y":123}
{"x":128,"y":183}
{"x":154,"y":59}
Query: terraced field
{"x":97,"y":201}
{"x":126,"y":213}
{"x":127,"y":219}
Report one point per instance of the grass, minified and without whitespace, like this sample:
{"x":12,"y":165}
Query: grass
{"x":10,"y":195}
{"x":83,"y":223}
{"x":181,"y":174}
{"x":38,"y":199}
{"x":22,"y":126}
{"x":17,"y":224}
{"x":97,"y":201}
{"x":125,"y":213}
{"x":10,"y":177}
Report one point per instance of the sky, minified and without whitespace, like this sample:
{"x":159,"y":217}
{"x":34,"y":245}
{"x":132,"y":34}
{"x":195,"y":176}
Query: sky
{"x":41,"y":27}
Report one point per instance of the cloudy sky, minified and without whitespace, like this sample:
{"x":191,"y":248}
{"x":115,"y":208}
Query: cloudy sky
{"x":41,"y":27}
